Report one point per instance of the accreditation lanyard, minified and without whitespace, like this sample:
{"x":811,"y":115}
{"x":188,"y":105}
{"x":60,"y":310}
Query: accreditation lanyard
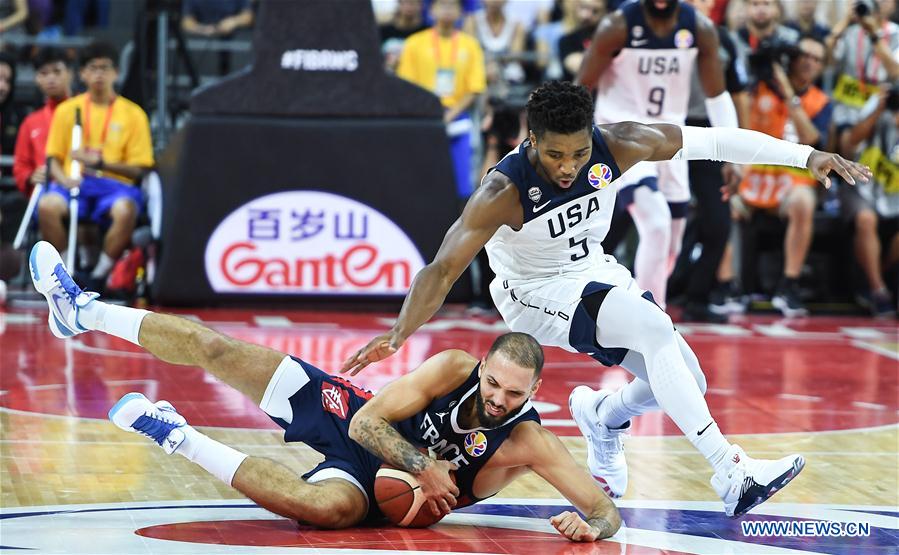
{"x":446,"y":75}
{"x":86,"y":125}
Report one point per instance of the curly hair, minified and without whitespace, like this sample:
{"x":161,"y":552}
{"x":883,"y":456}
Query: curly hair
{"x":560,"y":107}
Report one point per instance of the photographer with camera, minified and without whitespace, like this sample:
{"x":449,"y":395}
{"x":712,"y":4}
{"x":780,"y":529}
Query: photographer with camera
{"x":873,"y":207}
{"x":763,"y":34}
{"x":786,"y":104}
{"x":865,"y":46}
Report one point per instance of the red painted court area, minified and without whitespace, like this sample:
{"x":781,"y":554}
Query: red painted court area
{"x":764,"y":374}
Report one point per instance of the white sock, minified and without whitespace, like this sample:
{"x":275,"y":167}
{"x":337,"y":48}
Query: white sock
{"x":104,"y":265}
{"x":120,"y":321}
{"x":615,"y":410}
{"x":216,"y":458}
{"x":713,"y":446}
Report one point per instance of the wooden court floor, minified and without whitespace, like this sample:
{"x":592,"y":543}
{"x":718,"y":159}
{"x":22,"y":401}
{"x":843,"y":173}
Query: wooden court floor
{"x":73,"y":483}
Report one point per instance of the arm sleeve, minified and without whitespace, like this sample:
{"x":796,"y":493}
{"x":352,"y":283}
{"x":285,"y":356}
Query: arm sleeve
{"x":740,"y":146}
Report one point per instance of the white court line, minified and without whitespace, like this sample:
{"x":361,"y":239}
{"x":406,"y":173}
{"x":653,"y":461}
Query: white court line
{"x":797,"y":397}
{"x":876,"y":349}
{"x":864,"y":405}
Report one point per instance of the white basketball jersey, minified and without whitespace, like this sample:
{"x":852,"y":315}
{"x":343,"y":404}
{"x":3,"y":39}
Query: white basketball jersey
{"x":563,"y":228}
{"x":649,"y":80}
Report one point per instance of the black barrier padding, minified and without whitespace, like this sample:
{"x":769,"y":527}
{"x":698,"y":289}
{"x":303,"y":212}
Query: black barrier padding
{"x":216,"y":164}
{"x":284,"y":27}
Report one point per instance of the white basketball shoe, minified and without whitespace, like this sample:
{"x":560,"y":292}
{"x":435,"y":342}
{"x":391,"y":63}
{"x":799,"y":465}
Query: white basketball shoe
{"x":605,"y":449}
{"x":159,"y":422}
{"x":63,"y":295}
{"x":747,"y":482}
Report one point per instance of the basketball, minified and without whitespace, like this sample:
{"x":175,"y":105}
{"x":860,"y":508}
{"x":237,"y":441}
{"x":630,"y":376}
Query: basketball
{"x":400,"y":499}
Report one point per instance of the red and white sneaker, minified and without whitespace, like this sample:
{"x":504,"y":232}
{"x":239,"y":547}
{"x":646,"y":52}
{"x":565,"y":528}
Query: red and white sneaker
{"x":605,"y":448}
{"x":747,"y":482}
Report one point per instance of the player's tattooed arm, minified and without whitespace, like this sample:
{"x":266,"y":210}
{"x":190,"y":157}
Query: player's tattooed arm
{"x":382,"y":439}
{"x":602,"y":527}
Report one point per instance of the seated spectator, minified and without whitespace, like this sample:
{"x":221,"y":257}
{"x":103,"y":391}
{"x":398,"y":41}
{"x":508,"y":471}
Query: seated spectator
{"x":873,"y":207}
{"x":866,"y":54}
{"x":215,"y":18}
{"x":54,"y":80}
{"x":406,"y":21}
{"x":449,"y":63}
{"x":789,"y":106}
{"x":573,"y":45}
{"x":116,"y":151}
{"x":806,"y":21}
{"x":13,"y":14}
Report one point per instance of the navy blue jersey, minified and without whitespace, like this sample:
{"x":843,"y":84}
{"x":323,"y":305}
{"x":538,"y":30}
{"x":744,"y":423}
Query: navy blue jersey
{"x":437,"y":428}
{"x":324,"y":407}
{"x":563,"y":228}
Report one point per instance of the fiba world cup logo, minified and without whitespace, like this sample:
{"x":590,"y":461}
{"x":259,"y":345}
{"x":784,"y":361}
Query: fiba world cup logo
{"x":475,"y":444}
{"x":599,"y":176}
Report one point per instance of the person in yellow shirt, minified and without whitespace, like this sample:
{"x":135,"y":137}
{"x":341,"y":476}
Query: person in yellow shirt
{"x":450,"y":64}
{"x":116,"y":151}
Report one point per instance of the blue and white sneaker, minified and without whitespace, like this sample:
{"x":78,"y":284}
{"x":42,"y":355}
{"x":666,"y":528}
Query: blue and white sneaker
{"x":159,"y":422}
{"x":63,"y":295}
{"x":747,"y":482}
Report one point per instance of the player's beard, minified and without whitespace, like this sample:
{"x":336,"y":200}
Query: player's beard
{"x":488,"y":421}
{"x":656,"y":13}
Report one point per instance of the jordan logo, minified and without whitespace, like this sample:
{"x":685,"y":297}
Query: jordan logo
{"x":441,"y":415}
{"x":172,"y":443}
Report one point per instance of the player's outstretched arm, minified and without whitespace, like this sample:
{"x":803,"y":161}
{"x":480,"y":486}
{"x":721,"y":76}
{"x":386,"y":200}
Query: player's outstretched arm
{"x":632,"y":142}
{"x":371,"y":426}
{"x":608,"y":39}
{"x":491,"y":206}
{"x":549,"y":458}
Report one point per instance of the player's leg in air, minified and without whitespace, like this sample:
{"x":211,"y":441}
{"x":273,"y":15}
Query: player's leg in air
{"x":667,"y":375}
{"x":248,"y":368}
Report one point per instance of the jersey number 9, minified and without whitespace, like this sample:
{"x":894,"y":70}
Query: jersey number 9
{"x":656,"y":98}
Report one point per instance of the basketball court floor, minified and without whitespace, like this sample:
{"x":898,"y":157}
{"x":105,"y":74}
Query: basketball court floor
{"x":73,"y":483}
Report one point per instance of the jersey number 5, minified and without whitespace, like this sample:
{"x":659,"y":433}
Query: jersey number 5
{"x":656,"y":98}
{"x":583,"y":244}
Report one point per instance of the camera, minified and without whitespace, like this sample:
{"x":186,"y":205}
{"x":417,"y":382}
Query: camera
{"x":864,"y":7}
{"x":892,"y":102}
{"x":771,"y":50}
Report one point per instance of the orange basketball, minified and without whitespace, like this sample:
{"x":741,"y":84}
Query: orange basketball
{"x":400,"y":499}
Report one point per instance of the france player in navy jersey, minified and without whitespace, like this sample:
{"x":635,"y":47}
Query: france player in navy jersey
{"x":542,"y":214}
{"x":472,"y":416}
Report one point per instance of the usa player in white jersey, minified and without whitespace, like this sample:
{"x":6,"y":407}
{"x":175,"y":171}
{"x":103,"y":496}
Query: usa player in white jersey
{"x":640,"y":62}
{"x":542,"y":214}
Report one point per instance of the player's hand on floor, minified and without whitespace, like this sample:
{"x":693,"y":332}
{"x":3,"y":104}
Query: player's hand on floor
{"x":377,"y":349}
{"x":438,"y":488}
{"x":572,"y":526}
{"x":822,"y":163}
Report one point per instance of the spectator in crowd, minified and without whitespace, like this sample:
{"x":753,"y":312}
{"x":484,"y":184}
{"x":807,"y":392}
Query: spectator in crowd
{"x":468,"y":7}
{"x":710,"y":222}
{"x":76,"y":12}
{"x":546,"y":38}
{"x":528,"y":13}
{"x":215,"y":18}
{"x":406,"y":21}
{"x":873,"y":207}
{"x":806,"y":21}
{"x":54,"y":80}
{"x":220,"y":19}
{"x":11,"y":113}
{"x":13,"y":14}
{"x":115,"y":153}
{"x":789,"y":106}
{"x":866,"y":55}
{"x":449,"y":63}
{"x":573,"y":45}
{"x":763,"y":35}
